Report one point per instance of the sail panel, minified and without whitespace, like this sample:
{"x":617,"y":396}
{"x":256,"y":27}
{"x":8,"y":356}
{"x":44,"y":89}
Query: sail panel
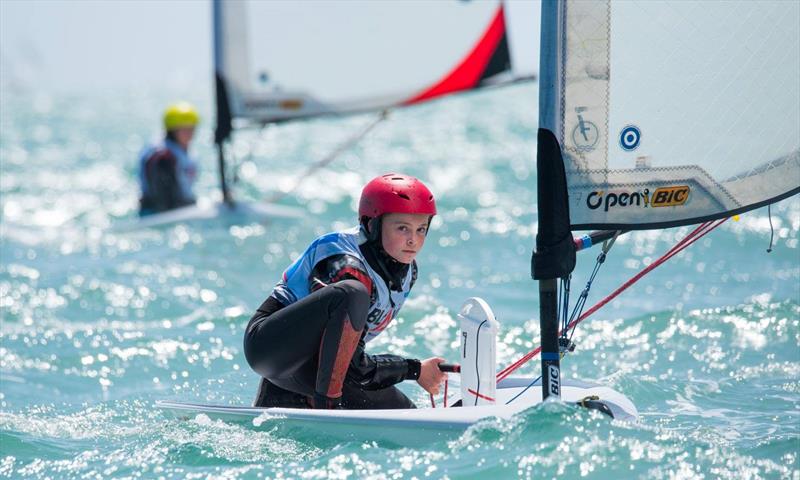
{"x":287,"y":59}
{"x":677,"y":112}
{"x":489,"y":58}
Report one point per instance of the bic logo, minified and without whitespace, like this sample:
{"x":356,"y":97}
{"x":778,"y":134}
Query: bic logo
{"x":670,"y":196}
{"x":554,"y":376}
{"x":291,"y":104}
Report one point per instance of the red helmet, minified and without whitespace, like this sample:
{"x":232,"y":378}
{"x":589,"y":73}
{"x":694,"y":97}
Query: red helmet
{"x":395,"y":193}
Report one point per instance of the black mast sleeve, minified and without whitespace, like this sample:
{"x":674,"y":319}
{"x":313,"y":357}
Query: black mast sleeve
{"x":224,"y":126}
{"x":554,"y":256}
{"x":222,"y":132}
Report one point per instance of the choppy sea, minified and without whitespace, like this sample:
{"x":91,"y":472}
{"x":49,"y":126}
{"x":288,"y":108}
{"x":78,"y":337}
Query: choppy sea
{"x":99,"y":324}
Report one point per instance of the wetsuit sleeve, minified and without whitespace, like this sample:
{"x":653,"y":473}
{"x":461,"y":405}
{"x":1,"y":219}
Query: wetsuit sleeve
{"x":373,"y":372}
{"x":337,"y":268}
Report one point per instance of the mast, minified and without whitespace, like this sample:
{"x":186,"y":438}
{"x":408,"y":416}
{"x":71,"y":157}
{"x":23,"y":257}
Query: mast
{"x":223,"y":128}
{"x":554,"y":256}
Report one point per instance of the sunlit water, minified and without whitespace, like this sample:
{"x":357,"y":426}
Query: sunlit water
{"x":97,"y":325}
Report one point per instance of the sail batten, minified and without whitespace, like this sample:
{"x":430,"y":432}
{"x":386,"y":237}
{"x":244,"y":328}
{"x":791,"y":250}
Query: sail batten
{"x":673,"y":113}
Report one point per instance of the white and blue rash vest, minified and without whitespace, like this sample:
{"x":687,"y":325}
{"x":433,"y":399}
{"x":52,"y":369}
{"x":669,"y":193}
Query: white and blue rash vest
{"x":185,"y":168}
{"x":385,"y":303}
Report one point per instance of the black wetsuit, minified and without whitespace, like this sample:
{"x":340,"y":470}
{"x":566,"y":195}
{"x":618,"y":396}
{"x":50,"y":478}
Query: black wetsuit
{"x":312,"y":351}
{"x":164,"y":193}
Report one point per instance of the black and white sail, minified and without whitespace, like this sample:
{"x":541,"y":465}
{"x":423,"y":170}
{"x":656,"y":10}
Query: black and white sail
{"x":671,"y":113}
{"x":655,"y":114}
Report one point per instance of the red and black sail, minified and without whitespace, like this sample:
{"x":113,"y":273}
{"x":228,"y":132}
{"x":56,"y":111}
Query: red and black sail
{"x":489,"y":57}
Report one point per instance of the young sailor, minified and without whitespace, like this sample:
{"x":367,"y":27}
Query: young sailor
{"x":307,"y":339}
{"x":166,"y":171}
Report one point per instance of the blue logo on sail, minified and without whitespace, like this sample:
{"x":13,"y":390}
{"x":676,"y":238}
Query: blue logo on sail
{"x":629,"y":138}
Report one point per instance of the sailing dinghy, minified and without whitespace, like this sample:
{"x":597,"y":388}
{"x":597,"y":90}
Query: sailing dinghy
{"x":651,"y":115}
{"x":281,"y":61}
{"x":482,"y":396}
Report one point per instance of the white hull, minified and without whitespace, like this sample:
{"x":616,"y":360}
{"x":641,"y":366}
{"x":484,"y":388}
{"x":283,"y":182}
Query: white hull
{"x":404,"y":427}
{"x":207,"y":211}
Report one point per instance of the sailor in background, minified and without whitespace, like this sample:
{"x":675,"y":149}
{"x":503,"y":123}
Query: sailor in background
{"x":307,"y":339}
{"x":166,"y":171}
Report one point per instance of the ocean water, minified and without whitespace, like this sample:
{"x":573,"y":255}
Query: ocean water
{"x":97,"y":325}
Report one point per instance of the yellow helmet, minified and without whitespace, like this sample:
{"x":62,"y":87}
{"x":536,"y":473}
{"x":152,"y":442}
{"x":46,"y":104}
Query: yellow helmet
{"x":179,"y":115}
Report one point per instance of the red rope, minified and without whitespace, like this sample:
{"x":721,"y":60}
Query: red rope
{"x":480,"y":395}
{"x":689,"y":239}
{"x":433,"y":401}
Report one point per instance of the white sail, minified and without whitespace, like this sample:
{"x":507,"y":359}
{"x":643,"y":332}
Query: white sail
{"x":675,"y":112}
{"x":280,"y":60}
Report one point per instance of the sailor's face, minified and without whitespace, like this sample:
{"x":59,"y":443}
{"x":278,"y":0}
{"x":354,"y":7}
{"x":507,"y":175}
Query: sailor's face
{"x":184,"y":136}
{"x":403,"y":235}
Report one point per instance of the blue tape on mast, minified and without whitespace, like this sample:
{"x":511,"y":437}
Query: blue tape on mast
{"x":549,"y":356}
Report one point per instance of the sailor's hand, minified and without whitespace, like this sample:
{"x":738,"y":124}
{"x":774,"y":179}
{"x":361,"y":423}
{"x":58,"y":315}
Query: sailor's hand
{"x":430,"y":377}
